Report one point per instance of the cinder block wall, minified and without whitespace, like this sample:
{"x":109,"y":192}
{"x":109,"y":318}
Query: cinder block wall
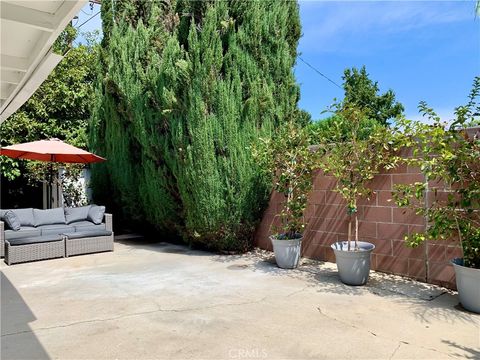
{"x":380,"y":222}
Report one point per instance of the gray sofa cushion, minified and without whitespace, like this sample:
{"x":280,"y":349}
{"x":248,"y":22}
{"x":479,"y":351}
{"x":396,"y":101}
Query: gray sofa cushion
{"x":10,"y":219}
{"x":25,"y":216}
{"x":55,"y":229}
{"x":35,"y":240}
{"x":25,"y":231}
{"x":86,"y":234}
{"x":76,"y":214}
{"x":87,"y":226}
{"x":49,"y":216}
{"x":95,"y":214}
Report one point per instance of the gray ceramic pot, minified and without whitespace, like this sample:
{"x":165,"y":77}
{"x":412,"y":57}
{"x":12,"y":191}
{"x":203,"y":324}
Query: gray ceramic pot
{"x":468,"y":285}
{"x":353,"y":266}
{"x":287,"y":252}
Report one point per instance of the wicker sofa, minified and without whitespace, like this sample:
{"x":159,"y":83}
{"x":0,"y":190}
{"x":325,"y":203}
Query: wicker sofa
{"x":46,"y":234}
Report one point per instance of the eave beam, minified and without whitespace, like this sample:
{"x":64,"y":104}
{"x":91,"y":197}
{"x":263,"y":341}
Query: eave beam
{"x":30,"y":17}
{"x":14,"y":63}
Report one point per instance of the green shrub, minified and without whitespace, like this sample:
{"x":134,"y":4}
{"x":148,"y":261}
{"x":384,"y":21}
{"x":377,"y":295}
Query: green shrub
{"x":184,"y":90}
{"x":288,"y":161}
{"x":354,"y":156}
{"x":334,"y":128}
{"x":447,"y":156}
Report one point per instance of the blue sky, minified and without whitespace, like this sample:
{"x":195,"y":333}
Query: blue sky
{"x":423,"y":50}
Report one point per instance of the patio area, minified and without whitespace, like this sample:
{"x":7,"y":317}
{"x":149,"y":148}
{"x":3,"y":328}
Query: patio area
{"x":157,"y":300}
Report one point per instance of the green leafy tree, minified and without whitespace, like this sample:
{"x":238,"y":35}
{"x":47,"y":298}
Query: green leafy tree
{"x":449,"y":159}
{"x":184,"y":89}
{"x":303,"y":118}
{"x":361,"y":91}
{"x":288,"y":161}
{"x":60,"y":108}
{"x":356,"y":159}
{"x":334,"y":128}
{"x":140,"y":71}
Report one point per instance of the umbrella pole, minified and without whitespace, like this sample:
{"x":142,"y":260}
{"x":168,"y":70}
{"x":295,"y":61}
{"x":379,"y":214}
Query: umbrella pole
{"x":50,"y":187}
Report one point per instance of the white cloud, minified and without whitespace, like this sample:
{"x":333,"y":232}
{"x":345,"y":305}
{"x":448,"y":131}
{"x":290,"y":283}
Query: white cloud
{"x":340,"y":20}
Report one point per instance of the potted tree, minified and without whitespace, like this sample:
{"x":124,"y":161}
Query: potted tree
{"x":449,"y":158}
{"x":288,"y":161}
{"x":358,"y":151}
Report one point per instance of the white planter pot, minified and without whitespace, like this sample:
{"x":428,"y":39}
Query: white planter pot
{"x":287,"y":252}
{"x":468,"y":285}
{"x":353,"y":266}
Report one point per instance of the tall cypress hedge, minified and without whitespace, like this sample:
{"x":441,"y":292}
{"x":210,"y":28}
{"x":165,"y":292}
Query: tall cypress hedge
{"x":184,"y":89}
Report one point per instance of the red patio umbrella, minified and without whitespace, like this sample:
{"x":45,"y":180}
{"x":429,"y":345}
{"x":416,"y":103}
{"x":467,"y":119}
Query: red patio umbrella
{"x":53,"y":150}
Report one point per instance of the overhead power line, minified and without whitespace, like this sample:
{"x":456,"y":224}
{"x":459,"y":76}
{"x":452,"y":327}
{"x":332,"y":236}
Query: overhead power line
{"x":320,"y":73}
{"x":360,"y":102}
{"x":86,"y":21}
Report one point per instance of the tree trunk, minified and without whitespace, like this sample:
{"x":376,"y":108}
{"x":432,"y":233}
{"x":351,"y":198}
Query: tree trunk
{"x":356,"y":231}
{"x":349,"y":232}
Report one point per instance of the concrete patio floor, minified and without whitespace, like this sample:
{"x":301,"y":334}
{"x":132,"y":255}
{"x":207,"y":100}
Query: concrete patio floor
{"x":162,"y":301}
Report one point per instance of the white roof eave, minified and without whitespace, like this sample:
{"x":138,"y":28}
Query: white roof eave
{"x":28,"y":31}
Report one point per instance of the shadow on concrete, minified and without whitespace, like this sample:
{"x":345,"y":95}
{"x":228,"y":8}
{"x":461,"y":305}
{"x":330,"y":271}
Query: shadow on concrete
{"x":468,"y":353}
{"x":427,"y":301}
{"x":445,"y":308}
{"x":161,"y":246}
{"x":317,"y":274}
{"x":18,"y":340}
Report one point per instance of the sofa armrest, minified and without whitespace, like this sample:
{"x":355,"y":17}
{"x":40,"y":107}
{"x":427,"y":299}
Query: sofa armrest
{"x":2,"y":238}
{"x":109,"y":222}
